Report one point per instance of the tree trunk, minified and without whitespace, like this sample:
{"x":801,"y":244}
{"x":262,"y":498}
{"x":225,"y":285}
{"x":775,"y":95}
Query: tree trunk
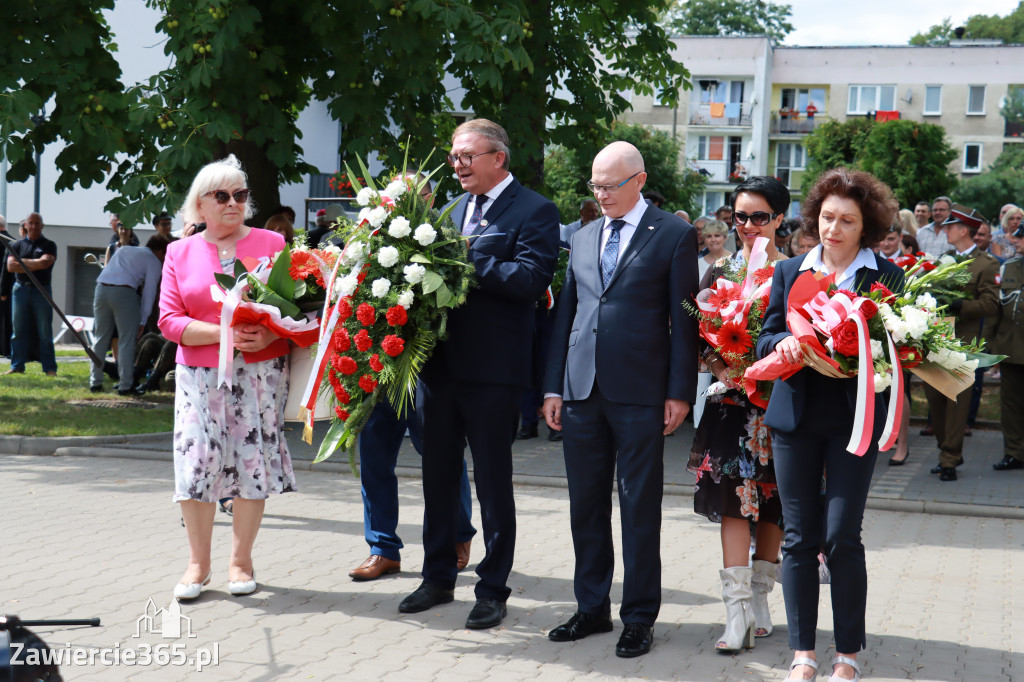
{"x":262,"y":176}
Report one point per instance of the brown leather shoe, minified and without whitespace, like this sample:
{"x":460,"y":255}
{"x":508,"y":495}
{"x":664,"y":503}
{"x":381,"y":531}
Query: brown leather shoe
{"x":462,"y":553}
{"x":375,"y":567}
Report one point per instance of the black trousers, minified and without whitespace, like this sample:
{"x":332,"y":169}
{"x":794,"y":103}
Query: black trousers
{"x":453,"y":413}
{"x":801,"y":457}
{"x":1011,"y":398}
{"x":602,"y":439}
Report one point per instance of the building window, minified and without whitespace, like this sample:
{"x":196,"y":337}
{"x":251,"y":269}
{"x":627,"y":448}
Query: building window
{"x":976,"y":100}
{"x":798,"y":99}
{"x":932,"y":100}
{"x":972,"y":157}
{"x":788,"y":157}
{"x":865,"y":98}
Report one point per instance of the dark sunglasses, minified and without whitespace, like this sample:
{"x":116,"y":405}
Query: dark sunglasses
{"x":757,"y":218}
{"x":222,"y":196}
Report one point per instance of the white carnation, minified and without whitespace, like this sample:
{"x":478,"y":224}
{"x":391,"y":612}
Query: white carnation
{"x":926,"y":301}
{"x":882,"y":381}
{"x":876,"y":349}
{"x":380,"y":287}
{"x":395,"y":189}
{"x":346,"y":286}
{"x":946,"y":259}
{"x":353,"y":253}
{"x":425,"y":234}
{"x":365,"y":196}
{"x":332,"y":249}
{"x":971,"y":365}
{"x":377,"y":216}
{"x":387,"y":256}
{"x":916,"y":321}
{"x":399,"y":227}
{"x":414,"y":273}
{"x":406,"y":298}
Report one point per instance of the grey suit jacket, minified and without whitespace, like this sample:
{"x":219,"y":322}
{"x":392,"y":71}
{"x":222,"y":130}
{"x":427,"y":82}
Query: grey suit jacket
{"x":633,"y":337}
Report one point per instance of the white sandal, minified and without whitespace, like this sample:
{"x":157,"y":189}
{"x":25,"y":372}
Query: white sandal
{"x":803,"y":660}
{"x":848,"y":661}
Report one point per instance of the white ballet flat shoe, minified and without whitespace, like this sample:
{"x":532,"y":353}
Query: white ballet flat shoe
{"x":190,"y":591}
{"x":240,"y":588}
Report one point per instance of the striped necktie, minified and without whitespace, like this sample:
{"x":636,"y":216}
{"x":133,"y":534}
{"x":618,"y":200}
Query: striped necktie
{"x":610,"y":255}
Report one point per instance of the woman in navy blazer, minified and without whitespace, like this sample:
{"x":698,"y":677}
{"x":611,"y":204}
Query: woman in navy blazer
{"x":811,"y":417}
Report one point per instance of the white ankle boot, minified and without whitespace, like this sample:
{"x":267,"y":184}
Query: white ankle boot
{"x":739,"y":619}
{"x":762,"y":583}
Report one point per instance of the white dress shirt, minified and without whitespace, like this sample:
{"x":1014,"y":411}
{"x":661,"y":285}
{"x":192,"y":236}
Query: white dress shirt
{"x":845,"y":279}
{"x":627,"y":231}
{"x":492,"y":196}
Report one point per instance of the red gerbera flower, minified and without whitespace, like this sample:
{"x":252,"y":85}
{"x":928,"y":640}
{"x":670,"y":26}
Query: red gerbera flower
{"x":392,"y":345}
{"x":734,"y":338}
{"x":363,"y":341}
{"x":303,"y":265}
{"x":721,"y":298}
{"x":397,"y":316}
{"x":375,"y":364}
{"x":367,"y":383}
{"x":366,"y":314}
{"x":764,"y":274}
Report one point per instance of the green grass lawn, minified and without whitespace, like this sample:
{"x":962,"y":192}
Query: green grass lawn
{"x":33,"y":404}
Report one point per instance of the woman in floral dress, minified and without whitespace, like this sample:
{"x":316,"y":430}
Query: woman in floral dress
{"x":228,"y":442}
{"x":732,"y":454}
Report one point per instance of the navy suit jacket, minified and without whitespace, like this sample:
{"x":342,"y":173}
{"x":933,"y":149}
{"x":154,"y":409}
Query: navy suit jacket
{"x":808,"y":397}
{"x":633,"y":337}
{"x":490,"y":338}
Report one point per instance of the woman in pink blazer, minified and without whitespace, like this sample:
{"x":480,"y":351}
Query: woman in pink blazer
{"x":227,"y":442}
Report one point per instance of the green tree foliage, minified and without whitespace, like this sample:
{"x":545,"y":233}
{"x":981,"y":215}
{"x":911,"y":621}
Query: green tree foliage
{"x":833,"y":143}
{"x":912,"y":158}
{"x":1000,"y":184}
{"x":241,"y":71}
{"x":1009,"y":29}
{"x":566,"y":171}
{"x":730,"y":18}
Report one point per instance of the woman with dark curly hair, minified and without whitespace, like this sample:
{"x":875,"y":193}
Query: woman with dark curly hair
{"x":811,"y":417}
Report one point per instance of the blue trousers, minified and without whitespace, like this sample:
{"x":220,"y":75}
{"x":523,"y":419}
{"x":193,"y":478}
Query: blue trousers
{"x":800,"y":459}
{"x":379,"y":443}
{"x":33,"y":319}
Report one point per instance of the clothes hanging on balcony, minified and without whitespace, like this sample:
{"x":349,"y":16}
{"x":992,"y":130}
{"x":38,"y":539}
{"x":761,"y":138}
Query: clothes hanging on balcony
{"x":732,"y":110}
{"x":717,"y":110}
{"x":881,"y":116}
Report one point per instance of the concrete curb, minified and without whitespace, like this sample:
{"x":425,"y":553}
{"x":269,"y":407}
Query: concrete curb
{"x":342,"y":468}
{"x":32,"y":445}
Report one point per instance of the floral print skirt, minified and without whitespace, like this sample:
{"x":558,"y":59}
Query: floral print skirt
{"x":230,"y":442}
{"x":732,"y":459}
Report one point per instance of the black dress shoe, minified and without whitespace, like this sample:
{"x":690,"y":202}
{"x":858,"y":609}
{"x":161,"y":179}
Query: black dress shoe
{"x":554,"y":436}
{"x":635,"y":640}
{"x":947,"y":474}
{"x":486,"y":613}
{"x":937,"y":469}
{"x":893,"y":462}
{"x":579,"y":626}
{"x":1008,"y":463}
{"x":130,"y":392}
{"x":527,"y":431}
{"x":96,"y":388}
{"x":426,"y":596}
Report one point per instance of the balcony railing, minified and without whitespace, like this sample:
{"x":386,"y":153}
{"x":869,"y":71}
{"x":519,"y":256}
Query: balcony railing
{"x":1013,"y":129}
{"x":716,"y":170}
{"x":735,"y":114}
{"x":795,"y":122}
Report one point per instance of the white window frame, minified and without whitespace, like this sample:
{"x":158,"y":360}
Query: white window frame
{"x":968,"y":104}
{"x":981,"y":157}
{"x":874,"y":106}
{"x":792,"y":151}
{"x":932,"y":112}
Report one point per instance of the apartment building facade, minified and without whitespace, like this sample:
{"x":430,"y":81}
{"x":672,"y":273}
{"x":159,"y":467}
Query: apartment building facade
{"x":752,"y":104}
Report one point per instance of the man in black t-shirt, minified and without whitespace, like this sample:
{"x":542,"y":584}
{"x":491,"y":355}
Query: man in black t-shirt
{"x":33,"y":316}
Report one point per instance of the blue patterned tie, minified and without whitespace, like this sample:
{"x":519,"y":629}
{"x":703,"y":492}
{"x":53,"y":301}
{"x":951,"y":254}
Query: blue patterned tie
{"x":610,"y":255}
{"x":478,"y":213}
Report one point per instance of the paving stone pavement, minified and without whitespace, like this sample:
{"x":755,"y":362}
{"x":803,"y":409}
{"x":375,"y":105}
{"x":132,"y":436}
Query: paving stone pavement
{"x":99,"y":536}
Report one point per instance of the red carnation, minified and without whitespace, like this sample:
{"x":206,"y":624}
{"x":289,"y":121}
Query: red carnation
{"x":849,"y":294}
{"x":909,"y":356}
{"x":366,"y":314}
{"x":392,"y":345}
{"x":887,"y":295}
{"x":332,"y":376}
{"x":344,"y":364}
{"x":844,"y":338}
{"x":868,"y":307}
{"x":344,"y":309}
{"x":397,"y":316}
{"x":341,"y":340}
{"x":363,"y":341}
{"x":362,"y":273}
{"x":927,"y":266}
{"x":375,"y":364}
{"x":367,"y":383}
{"x":342,"y":414}
{"x":342,"y":395}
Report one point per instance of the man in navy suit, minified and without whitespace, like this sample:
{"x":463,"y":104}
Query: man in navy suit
{"x":469,"y":389}
{"x":621,"y":376}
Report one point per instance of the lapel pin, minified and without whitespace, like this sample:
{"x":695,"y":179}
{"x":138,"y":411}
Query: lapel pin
{"x":483,"y":223}
{"x":650,"y":227}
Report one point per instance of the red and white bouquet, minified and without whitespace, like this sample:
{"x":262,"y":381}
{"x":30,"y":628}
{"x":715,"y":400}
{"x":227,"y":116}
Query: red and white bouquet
{"x":402,"y":268}
{"x":731,"y":313}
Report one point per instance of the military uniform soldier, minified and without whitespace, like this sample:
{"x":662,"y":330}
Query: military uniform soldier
{"x":950,"y":416}
{"x":1009,"y":341}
